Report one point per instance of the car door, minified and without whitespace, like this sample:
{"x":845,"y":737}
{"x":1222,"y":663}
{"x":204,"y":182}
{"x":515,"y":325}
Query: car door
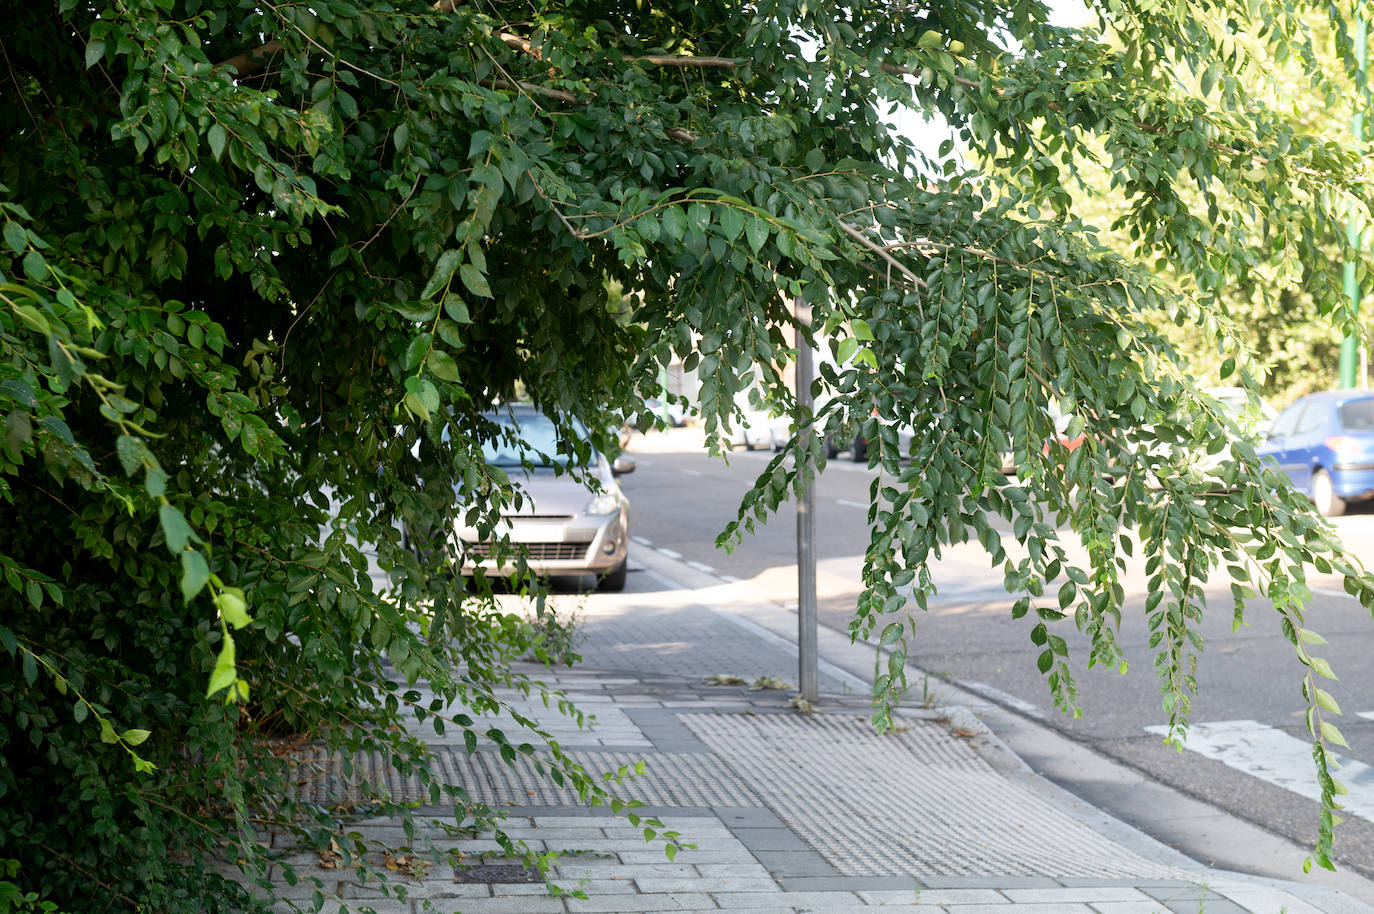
{"x":1302,"y":445}
{"x":1277,"y":445}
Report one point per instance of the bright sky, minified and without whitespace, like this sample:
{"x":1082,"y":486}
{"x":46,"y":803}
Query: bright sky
{"x":928,"y":134}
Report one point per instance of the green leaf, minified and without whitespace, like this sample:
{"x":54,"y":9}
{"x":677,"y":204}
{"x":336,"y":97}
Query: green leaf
{"x":174,"y":528}
{"x":1333,"y":735}
{"x":16,"y":237}
{"x":217,"y":139}
{"x":861,"y":330}
{"x":155,"y":482}
{"x":845,"y":350}
{"x":423,"y":401}
{"x":756,"y":232}
{"x":442,"y":365}
{"x":475,"y":281}
{"x":1328,"y":703}
{"x":233,"y":607}
{"x":225,"y":670}
{"x":94,"y":51}
{"x":418,"y":312}
{"x":195,"y":574}
{"x":731,"y":222}
{"x":674,"y":222}
{"x":135,"y":737}
{"x":456,"y":309}
{"x":1321,"y":668}
{"x":443,"y":270}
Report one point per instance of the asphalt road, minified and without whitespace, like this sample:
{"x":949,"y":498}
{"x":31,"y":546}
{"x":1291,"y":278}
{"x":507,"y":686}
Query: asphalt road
{"x":1247,"y":716}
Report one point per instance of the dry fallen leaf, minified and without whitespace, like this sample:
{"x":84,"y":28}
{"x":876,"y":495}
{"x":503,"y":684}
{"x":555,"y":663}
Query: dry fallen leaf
{"x":329,"y":858}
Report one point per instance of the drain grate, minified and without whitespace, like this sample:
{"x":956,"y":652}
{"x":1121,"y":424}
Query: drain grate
{"x":497,"y":873}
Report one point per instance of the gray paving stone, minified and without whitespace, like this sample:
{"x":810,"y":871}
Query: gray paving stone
{"x":1130,"y":907}
{"x":1191,"y":899}
{"x":514,"y":904}
{"x":934,"y":897}
{"x":511,"y":888}
{"x":613,"y":885}
{"x":785,"y":864}
{"x":1262,"y":899}
{"x":733,"y":870}
{"x":633,"y":904}
{"x":989,"y":882}
{"x":900,"y":885}
{"x":748,"y":817}
{"x":702,"y":885}
{"x":608,"y":869}
{"x":686,"y":856}
{"x":1014,"y":908}
{"x":770,"y":839}
{"x":808,"y":901}
{"x":1079,"y":894}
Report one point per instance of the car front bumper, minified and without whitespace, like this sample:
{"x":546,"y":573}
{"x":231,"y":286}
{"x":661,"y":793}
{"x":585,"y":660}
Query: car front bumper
{"x":584,"y":544}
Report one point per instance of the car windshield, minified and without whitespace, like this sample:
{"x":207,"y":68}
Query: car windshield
{"x":538,"y":444}
{"x":1357,"y":415}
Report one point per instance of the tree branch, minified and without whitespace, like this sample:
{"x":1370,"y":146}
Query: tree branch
{"x":878,"y":249}
{"x":251,"y":61}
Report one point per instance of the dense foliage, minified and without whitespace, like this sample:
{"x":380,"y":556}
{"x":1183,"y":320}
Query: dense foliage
{"x":265,"y":265}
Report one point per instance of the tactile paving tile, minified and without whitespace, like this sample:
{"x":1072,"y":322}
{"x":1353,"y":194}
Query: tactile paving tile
{"x":867,"y":803}
{"x":685,"y":780}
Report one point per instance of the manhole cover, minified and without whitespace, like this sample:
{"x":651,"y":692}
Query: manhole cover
{"x":497,"y":873}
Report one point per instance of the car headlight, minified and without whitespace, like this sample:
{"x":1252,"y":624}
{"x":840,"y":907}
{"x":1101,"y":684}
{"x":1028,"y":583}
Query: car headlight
{"x":605,"y":503}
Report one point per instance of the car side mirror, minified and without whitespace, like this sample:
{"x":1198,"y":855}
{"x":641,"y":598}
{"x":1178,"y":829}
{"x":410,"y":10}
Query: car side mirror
{"x":622,"y":465}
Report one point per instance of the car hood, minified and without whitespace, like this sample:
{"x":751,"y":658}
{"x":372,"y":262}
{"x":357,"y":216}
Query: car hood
{"x":549,"y":495}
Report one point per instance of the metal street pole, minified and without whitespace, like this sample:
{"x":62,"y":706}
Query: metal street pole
{"x":807,"y":674}
{"x":1351,"y":349}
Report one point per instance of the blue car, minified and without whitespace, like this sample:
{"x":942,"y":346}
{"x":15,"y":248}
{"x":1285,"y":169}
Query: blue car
{"x":1325,"y":443}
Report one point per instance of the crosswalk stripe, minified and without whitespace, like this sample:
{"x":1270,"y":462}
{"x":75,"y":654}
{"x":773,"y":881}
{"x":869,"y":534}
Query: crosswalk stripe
{"x":1285,"y":761}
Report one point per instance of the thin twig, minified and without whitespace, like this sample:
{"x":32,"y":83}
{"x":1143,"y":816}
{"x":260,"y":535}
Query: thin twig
{"x":882,"y":252}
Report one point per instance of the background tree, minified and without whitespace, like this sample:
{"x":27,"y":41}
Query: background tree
{"x":1295,"y":344}
{"x":267,"y":264}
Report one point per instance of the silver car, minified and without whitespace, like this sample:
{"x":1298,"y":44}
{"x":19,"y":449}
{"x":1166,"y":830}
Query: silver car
{"x":563,"y":526}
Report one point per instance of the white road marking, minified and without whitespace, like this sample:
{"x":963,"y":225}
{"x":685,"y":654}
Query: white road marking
{"x":642,"y":540}
{"x":1285,"y":761}
{"x":1329,"y":592}
{"x":851,"y":504}
{"x":693,"y":473}
{"x":701,"y":566}
{"x":676,"y":556}
{"x":729,"y":579}
{"x":995,"y":694}
{"x":1367,"y":715}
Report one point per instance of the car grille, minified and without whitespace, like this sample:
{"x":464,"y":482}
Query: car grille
{"x":537,"y":552}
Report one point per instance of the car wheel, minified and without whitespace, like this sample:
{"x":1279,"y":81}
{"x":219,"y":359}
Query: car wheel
{"x":613,"y":581}
{"x":858,"y":451}
{"x":832,"y":450}
{"x":1324,"y":495}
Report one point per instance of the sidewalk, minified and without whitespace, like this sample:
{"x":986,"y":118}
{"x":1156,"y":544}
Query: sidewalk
{"x":789,"y":812}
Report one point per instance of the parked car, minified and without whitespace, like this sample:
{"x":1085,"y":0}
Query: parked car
{"x":563,"y":526}
{"x":755,"y":429}
{"x":1252,"y":417}
{"x":1324,"y":442}
{"x":669,"y":412}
